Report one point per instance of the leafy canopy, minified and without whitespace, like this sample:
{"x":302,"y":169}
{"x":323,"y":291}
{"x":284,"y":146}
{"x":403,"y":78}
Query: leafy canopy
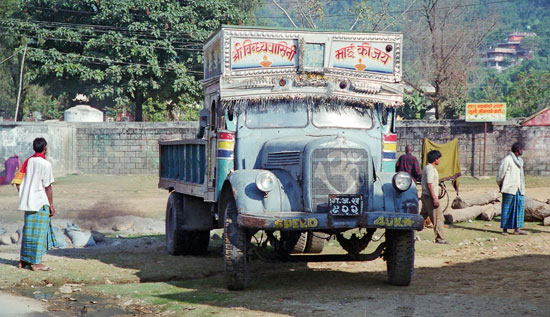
{"x":120,"y":52}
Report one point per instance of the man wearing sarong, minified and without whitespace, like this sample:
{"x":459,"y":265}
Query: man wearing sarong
{"x":511,"y":182}
{"x":36,"y":200}
{"x":430,"y":203}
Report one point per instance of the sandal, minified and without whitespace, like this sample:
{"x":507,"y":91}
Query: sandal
{"x":40,"y":267}
{"x":520,"y":232}
{"x":504,"y":233}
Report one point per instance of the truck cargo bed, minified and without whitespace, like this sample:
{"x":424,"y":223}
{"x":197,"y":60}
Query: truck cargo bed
{"x":182,"y":165}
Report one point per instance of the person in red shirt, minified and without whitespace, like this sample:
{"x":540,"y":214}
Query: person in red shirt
{"x":408,"y":163}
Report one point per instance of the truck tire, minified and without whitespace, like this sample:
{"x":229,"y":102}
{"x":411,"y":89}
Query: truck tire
{"x":400,"y":256}
{"x":301,"y":244}
{"x":236,"y":241}
{"x":315,"y":242}
{"x":179,"y":241}
{"x":309,"y":242}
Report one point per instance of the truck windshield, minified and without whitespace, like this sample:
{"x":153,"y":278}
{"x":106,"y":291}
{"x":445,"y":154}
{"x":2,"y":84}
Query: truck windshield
{"x":276,"y":114}
{"x":342,"y":116}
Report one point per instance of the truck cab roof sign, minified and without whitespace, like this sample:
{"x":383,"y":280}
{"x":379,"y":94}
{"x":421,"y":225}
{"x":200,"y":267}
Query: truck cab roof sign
{"x":258,"y":53}
{"x":243,"y":52}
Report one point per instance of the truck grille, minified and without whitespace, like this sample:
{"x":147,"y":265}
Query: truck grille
{"x":337,"y":171}
{"x":282,"y":159}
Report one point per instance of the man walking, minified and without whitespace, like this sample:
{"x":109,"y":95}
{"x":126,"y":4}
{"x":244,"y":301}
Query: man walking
{"x":36,"y":199}
{"x":430,"y":203}
{"x":408,"y":163}
{"x":511,"y":182}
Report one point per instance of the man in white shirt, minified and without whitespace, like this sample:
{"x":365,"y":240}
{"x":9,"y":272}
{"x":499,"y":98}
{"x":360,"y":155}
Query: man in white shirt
{"x":430,"y":203}
{"x":36,"y":199}
{"x":511,"y":182}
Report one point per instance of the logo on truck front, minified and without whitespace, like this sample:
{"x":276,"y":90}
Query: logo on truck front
{"x":296,"y":223}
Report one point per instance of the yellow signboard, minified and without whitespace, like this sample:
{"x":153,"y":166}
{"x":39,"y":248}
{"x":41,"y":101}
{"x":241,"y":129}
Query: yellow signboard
{"x":485,"y":112}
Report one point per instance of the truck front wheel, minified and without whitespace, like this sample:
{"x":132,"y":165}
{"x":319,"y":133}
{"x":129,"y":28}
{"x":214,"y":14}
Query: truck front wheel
{"x":400,"y":256}
{"x":178,"y":240}
{"x":236,"y":241}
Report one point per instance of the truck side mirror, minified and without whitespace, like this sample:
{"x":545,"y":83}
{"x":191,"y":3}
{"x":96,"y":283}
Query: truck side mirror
{"x":203,"y":122}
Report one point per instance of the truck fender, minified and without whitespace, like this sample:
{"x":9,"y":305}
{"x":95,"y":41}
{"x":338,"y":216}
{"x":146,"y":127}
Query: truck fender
{"x":395,"y":200}
{"x":241,"y":185}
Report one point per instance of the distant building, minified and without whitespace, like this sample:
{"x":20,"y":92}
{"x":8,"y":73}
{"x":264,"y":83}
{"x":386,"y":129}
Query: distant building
{"x":541,"y":118}
{"x":509,"y":53}
{"x":83,"y":113}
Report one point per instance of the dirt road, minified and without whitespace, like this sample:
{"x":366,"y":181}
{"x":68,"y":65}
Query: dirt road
{"x":481,"y":272}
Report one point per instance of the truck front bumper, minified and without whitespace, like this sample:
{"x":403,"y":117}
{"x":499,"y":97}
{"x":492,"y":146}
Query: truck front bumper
{"x":320,"y":221}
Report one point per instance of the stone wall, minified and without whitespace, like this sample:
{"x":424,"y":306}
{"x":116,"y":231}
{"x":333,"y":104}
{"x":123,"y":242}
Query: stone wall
{"x":472,"y":147}
{"x":125,"y":148}
{"x":132,"y":148}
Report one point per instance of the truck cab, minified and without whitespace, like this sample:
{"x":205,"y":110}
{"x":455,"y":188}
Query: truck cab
{"x":297,"y":140}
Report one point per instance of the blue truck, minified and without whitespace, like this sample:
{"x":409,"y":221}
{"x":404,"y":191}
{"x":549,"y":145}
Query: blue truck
{"x":296,"y":143}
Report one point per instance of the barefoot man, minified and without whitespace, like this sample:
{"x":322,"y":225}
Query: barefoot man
{"x":34,"y":183}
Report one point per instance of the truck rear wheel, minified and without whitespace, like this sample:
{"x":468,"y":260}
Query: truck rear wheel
{"x":309,"y":242}
{"x":178,"y":240}
{"x":400,"y":256}
{"x":236,"y":241}
{"x":315,"y":242}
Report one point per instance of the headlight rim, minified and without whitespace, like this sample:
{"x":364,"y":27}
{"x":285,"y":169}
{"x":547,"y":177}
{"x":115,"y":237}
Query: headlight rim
{"x":260,"y":185}
{"x":399,"y":175}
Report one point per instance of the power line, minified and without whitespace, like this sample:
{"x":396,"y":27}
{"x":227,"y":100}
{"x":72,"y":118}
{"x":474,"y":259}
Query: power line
{"x":6,"y":59}
{"x":98,"y":28}
{"x":29,"y":26}
{"x":108,"y":61}
{"x":191,"y":47}
{"x":403,"y":11}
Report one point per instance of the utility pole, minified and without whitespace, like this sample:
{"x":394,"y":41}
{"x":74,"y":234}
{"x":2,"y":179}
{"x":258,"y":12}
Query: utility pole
{"x":20,"y":83}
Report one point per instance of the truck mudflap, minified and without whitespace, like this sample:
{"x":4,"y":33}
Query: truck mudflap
{"x":320,"y":221}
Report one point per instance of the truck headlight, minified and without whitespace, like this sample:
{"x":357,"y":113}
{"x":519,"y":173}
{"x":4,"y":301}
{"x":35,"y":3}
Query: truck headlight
{"x":402,"y":181}
{"x":265,"y":181}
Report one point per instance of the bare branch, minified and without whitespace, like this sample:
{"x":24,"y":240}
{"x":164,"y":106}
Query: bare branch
{"x":284,"y":11}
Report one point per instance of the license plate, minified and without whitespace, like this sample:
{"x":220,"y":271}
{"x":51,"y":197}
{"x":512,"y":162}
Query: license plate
{"x":345,"y":205}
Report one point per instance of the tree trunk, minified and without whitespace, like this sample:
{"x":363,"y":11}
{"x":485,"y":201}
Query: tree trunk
{"x":482,"y":199}
{"x":138,"y":111}
{"x":535,"y":210}
{"x":459,"y":215}
{"x":491,"y":213}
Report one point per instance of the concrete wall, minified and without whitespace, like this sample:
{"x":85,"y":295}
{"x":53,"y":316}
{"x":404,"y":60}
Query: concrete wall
{"x":471,"y":139}
{"x":132,"y":148}
{"x":93,"y":148}
{"x":17,"y":139}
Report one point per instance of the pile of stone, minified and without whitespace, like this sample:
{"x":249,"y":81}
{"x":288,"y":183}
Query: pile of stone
{"x":7,"y":238}
{"x":71,"y":232}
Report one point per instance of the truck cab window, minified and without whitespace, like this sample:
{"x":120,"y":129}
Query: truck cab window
{"x":340,"y":116}
{"x":276,"y":114}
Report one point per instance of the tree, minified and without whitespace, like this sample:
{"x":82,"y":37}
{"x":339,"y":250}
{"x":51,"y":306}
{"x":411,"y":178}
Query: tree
{"x":350,"y":15}
{"x":444,"y":39}
{"x":9,"y":62}
{"x":530,"y":93}
{"x":122,"y":51}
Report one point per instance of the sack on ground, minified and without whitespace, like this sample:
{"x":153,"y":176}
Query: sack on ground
{"x":78,"y":237}
{"x":59,"y":237}
{"x":458,"y":203}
